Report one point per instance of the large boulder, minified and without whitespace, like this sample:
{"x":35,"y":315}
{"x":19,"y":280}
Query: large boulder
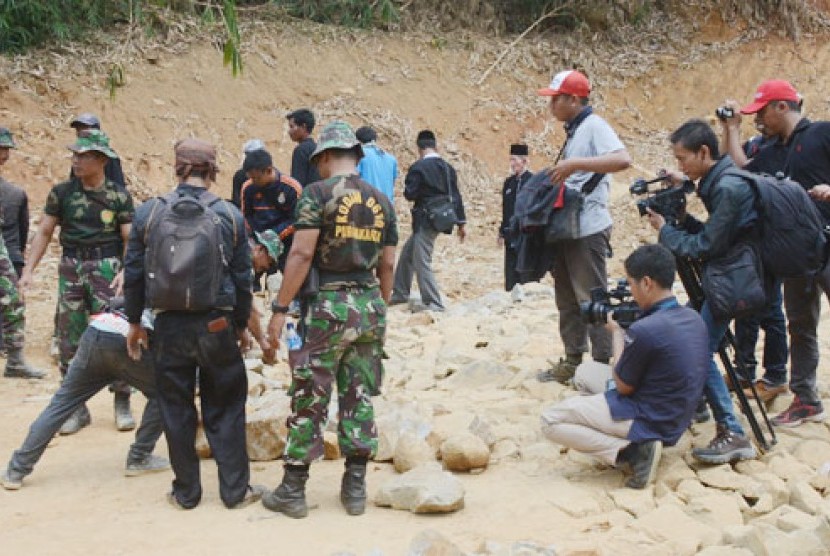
{"x":464,"y":452}
{"x":411,"y":451}
{"x":425,"y":489}
{"x":266,"y":431}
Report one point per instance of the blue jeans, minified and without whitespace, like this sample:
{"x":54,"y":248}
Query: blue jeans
{"x":715,"y":390}
{"x":774,"y":323}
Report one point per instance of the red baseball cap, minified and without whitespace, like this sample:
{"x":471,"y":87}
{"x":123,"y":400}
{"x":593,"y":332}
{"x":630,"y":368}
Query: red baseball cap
{"x":768,"y":91}
{"x":570,"y":82}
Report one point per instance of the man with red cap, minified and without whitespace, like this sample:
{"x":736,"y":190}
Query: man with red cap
{"x":592,"y":150}
{"x":777,"y":110}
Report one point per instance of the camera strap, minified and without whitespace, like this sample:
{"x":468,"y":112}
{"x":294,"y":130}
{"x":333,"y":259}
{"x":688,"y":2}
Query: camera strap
{"x":570,"y":129}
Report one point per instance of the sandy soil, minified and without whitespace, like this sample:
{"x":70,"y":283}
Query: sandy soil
{"x":77,"y":501}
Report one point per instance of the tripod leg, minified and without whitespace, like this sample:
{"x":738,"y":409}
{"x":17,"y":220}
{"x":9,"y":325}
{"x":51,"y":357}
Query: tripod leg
{"x":746,"y":409}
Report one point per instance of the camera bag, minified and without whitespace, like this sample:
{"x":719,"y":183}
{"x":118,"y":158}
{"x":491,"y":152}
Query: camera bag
{"x":734,"y":283}
{"x":793,"y":239}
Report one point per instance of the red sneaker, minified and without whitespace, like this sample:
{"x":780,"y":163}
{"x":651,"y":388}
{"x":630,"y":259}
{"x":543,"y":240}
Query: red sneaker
{"x":799,"y":412}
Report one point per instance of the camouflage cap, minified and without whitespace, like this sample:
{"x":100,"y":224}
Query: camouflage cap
{"x":337,"y":135}
{"x":6,"y":139}
{"x":93,"y":140}
{"x":271,"y":241}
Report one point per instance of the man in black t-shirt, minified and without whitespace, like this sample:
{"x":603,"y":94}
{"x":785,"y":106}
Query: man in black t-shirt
{"x":777,"y":108}
{"x":300,"y":125}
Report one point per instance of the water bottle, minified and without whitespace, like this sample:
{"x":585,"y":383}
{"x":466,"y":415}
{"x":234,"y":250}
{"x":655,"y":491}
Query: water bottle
{"x":292,"y":339}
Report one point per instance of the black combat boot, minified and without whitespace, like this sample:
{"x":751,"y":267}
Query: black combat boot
{"x":17,"y":367}
{"x":353,"y":486}
{"x":289,"y":497}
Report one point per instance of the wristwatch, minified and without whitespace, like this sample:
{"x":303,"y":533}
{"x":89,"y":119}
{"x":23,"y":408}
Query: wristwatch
{"x":277,"y":308}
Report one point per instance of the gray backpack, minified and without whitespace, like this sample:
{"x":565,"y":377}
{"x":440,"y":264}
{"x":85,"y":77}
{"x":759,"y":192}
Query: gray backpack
{"x":184,"y":253}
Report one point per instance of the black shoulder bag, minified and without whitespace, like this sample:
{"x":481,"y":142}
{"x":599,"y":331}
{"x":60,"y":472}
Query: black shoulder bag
{"x":440,"y":211}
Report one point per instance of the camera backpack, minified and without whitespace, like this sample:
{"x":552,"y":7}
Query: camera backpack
{"x":793,"y":238}
{"x":184,"y":258}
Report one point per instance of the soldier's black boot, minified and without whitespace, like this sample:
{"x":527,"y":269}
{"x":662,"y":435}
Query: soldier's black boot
{"x":17,"y":367}
{"x":353,"y":486}
{"x":289,"y":497}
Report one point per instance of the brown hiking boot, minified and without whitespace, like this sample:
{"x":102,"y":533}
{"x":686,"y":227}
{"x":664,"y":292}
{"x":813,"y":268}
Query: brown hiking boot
{"x":767,"y":392}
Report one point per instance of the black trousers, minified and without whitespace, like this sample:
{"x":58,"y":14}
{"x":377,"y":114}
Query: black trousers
{"x":511,"y":275}
{"x":183,"y":345}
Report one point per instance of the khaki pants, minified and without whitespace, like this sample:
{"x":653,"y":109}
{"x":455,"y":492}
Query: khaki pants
{"x":584,"y":423}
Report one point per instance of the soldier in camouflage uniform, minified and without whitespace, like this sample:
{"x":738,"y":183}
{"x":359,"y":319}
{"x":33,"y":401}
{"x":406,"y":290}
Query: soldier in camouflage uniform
{"x":94,"y":215}
{"x":11,"y":304}
{"x":347,"y":230}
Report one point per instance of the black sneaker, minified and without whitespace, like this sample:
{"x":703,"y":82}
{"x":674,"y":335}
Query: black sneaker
{"x":726,"y":447}
{"x":702,"y":413}
{"x":644,"y":459}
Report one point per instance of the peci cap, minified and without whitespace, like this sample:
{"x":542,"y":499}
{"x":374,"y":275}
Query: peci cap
{"x":271,"y":241}
{"x":93,"y":140}
{"x":6,"y":139}
{"x":87,"y":119}
{"x":570,"y":82}
{"x":519,"y":149}
{"x":768,"y":91}
{"x":257,"y":160}
{"x":252,"y":145}
{"x":337,"y":135}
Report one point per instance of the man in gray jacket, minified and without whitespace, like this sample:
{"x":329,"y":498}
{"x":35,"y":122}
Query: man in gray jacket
{"x":729,"y":201}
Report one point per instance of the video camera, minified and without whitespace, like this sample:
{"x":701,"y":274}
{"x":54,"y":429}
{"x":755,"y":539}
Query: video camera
{"x":669,"y":201}
{"x":625,"y":311}
{"x":723,"y":113}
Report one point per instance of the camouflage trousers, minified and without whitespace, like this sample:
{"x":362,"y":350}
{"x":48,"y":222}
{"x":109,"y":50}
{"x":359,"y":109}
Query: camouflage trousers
{"x":14,"y":319}
{"x":83,"y":290}
{"x":343,"y":344}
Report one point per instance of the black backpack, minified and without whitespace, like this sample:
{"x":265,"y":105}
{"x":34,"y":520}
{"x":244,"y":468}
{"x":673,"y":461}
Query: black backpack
{"x":184,"y":253}
{"x":793,"y":238}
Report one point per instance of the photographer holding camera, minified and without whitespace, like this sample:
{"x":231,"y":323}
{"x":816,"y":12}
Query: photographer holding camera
{"x":658,"y":378}
{"x":730,"y":204}
{"x":765,"y":153}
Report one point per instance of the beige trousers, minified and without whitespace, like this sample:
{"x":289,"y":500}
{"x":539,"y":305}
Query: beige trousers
{"x":584,"y":423}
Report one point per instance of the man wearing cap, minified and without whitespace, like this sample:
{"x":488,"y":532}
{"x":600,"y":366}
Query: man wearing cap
{"x":11,"y":302}
{"x":763,"y":154}
{"x":266,"y":249}
{"x":300,"y":125}
{"x":94,"y":214}
{"x":519,"y":175}
{"x":269,"y":198}
{"x":240,"y":177}
{"x":592,"y":150}
{"x":348,"y":229}
{"x":777,"y":108}
{"x":102,"y":357}
{"x":112,"y":170}
{"x":430,"y":178}
{"x":377,"y":166}
{"x":203,"y":342}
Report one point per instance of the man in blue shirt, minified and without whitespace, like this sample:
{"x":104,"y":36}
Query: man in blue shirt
{"x":377,"y":166}
{"x":662,"y":361}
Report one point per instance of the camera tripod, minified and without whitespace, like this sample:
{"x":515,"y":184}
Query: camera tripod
{"x":690,"y":275}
